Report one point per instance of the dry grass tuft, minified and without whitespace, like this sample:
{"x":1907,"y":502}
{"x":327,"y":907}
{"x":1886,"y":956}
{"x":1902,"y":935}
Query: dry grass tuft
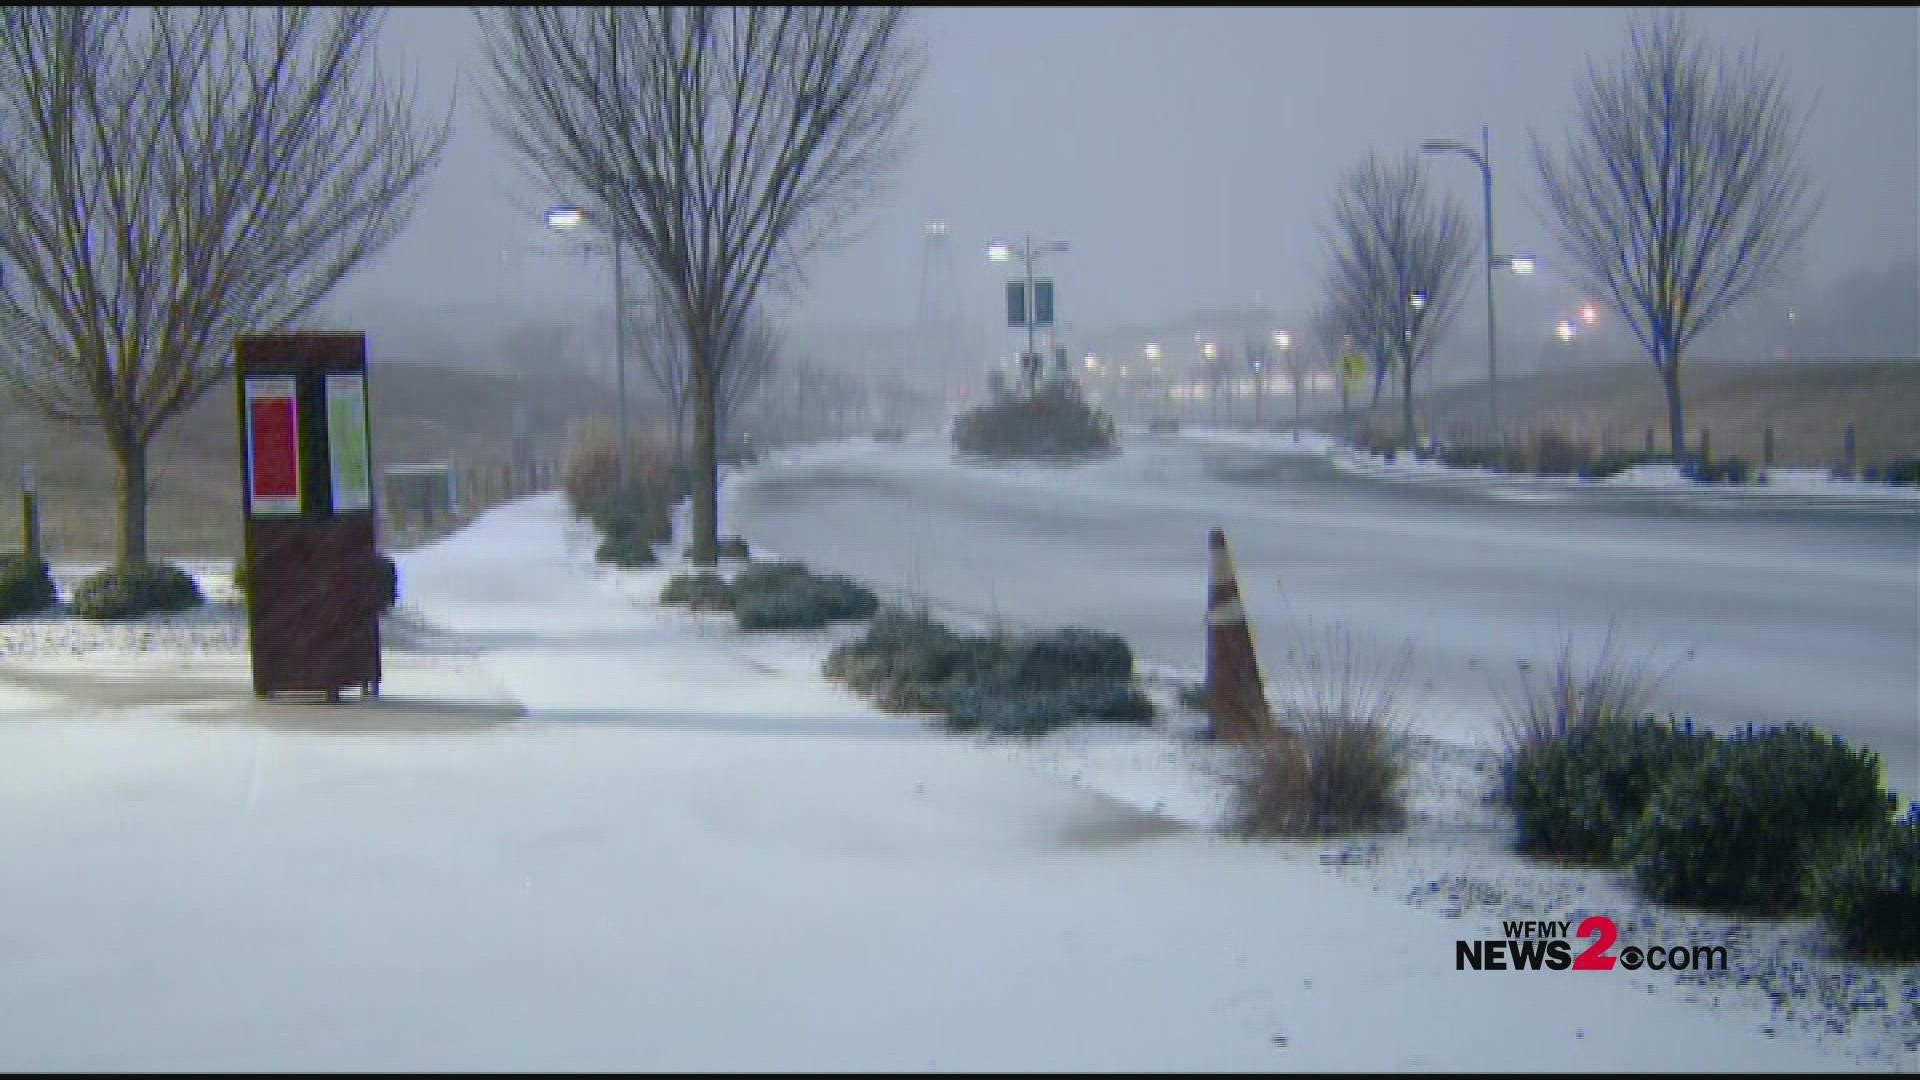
{"x":1340,"y":757}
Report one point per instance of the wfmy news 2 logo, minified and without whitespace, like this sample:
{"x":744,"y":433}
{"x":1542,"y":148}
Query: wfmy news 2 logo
{"x":1544,"y":945}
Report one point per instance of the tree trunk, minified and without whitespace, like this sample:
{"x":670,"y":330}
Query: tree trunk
{"x":703,"y":545}
{"x":131,"y":547}
{"x":680,"y":438}
{"x":1676,"y":414}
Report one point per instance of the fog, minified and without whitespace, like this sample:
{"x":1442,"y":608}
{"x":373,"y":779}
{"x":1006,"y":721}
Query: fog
{"x":1189,"y":156}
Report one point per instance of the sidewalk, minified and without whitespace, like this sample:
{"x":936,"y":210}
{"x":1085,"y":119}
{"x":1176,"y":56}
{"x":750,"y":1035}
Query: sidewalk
{"x":603,"y":835}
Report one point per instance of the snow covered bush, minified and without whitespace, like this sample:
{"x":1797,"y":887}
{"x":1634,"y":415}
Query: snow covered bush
{"x":1059,"y":659}
{"x":1054,"y":423}
{"x":1868,"y":891}
{"x":1614,"y":462}
{"x":801,"y":602}
{"x":130,"y":592}
{"x":25,"y":585}
{"x":1025,"y":684}
{"x":704,"y":591}
{"x":1902,"y":471}
{"x":767,"y":577}
{"x":1006,"y":710}
{"x":626,"y":550}
{"x":1574,"y":796}
{"x":904,"y":661}
{"x":1739,"y":828}
{"x":1728,"y":470}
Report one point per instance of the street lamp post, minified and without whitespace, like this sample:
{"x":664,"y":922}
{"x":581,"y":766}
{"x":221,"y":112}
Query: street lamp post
{"x":1283,"y":343}
{"x":1480,"y":158}
{"x":564,"y":219}
{"x":1256,"y":359}
{"x":1028,"y":254}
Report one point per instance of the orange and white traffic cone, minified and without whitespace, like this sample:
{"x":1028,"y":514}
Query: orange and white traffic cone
{"x":1236,"y":698}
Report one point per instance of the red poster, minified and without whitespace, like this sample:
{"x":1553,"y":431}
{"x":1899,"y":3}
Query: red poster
{"x":273,"y":447}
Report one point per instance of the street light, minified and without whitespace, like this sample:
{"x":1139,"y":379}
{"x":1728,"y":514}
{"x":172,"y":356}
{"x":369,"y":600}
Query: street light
{"x":566,"y":219}
{"x":1000,"y":251}
{"x":1480,"y":158}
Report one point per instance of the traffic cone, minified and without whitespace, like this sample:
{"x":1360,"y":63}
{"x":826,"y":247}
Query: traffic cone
{"x":1236,"y":698}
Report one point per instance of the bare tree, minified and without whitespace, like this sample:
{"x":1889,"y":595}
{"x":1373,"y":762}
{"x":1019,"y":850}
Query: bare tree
{"x":171,"y":178}
{"x":1328,"y":333}
{"x":662,"y":349}
{"x":724,"y":144}
{"x":746,"y":373}
{"x":1681,"y":192}
{"x":662,"y":346}
{"x":1400,"y":261}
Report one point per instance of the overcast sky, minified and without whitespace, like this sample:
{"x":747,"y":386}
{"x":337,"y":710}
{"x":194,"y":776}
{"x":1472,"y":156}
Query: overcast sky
{"x":1188,"y":155}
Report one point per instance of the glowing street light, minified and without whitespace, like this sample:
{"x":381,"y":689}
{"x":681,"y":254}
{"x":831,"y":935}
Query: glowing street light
{"x":1418,"y":300}
{"x":1588,"y":314}
{"x":566,"y":218}
{"x":1565,"y":330}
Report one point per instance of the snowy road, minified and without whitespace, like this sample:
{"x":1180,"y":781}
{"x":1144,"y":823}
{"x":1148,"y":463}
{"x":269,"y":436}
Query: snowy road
{"x":1786,"y":615}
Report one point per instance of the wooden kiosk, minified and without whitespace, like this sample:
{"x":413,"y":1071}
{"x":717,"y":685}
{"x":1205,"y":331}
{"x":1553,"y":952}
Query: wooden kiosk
{"x":316,"y":584}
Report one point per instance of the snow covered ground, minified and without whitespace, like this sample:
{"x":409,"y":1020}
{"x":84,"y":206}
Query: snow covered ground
{"x":1783,"y":487}
{"x":582,"y":831}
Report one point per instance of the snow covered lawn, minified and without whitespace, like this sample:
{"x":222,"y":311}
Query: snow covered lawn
{"x":581,"y":831}
{"x":1784,"y":487}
